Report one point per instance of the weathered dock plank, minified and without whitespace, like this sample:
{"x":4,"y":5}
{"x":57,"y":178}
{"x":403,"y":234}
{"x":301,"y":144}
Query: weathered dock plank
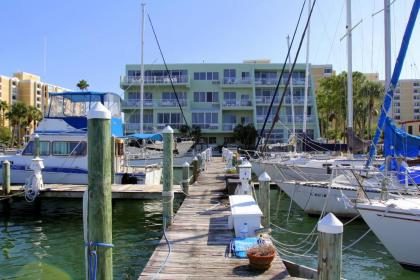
{"x":129,"y":191}
{"x":200,"y":236}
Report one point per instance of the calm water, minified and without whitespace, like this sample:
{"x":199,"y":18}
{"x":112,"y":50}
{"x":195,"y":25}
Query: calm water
{"x":368,"y":259}
{"x":46,"y":242}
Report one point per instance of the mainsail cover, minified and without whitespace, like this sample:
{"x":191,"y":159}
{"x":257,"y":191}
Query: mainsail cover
{"x":398,"y":143}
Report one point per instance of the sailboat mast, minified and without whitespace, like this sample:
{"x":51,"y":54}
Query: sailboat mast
{"x":292,"y":102}
{"x":349,"y":80}
{"x":387,"y":37}
{"x":142,"y":68}
{"x":305,"y":99}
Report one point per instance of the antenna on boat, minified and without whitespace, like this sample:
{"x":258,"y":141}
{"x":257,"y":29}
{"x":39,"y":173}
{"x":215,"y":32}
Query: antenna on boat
{"x":305,"y":99}
{"x":349,"y":81}
{"x":387,"y":38}
{"x":292,"y":102}
{"x":142,"y":68}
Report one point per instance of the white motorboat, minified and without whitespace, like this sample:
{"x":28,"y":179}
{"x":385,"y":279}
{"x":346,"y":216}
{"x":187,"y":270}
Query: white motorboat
{"x":63,"y":143}
{"x":396,"y":222}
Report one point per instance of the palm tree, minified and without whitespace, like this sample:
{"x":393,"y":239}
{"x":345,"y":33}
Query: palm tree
{"x":371,"y":91}
{"x":82,"y":85}
{"x":17,"y":116}
{"x":3,"y":108}
{"x":33,"y":115}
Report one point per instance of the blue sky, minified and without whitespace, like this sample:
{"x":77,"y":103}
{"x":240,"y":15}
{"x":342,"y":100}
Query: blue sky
{"x":93,"y":39}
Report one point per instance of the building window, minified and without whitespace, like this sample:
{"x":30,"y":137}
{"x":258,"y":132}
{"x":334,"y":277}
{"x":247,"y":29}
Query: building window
{"x":212,"y":140}
{"x":172,"y":119}
{"x":44,"y":147}
{"x":410,"y":129}
{"x":229,"y":76}
{"x":206,"y":120}
{"x":209,"y":76}
{"x":209,"y":96}
{"x":327,"y":70}
{"x":246,"y":76}
{"x":229,"y":98}
{"x":416,"y":84}
{"x":64,"y":148}
{"x":229,"y":140}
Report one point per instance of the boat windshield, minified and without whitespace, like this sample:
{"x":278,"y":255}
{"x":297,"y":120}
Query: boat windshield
{"x":77,"y":104}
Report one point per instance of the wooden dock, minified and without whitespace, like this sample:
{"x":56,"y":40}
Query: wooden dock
{"x":200,"y":237}
{"x":118,"y":191}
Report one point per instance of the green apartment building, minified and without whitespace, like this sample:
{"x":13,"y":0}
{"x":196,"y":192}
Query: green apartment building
{"x":215,"y":97}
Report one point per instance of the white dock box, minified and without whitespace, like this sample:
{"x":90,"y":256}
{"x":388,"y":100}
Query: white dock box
{"x":245,"y":210}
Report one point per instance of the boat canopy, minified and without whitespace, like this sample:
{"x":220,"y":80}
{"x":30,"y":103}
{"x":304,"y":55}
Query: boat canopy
{"x":77,"y":104}
{"x":399,"y":143}
{"x":147,"y":136}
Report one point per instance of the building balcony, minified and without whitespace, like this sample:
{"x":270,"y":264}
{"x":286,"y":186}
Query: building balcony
{"x":212,"y":126}
{"x":297,"y":100}
{"x":229,"y":126}
{"x":128,"y":81}
{"x":286,"y":119}
{"x":205,"y":105}
{"x":152,"y":103}
{"x":135,"y":127}
{"x":173,"y":125}
{"x":237,"y":104}
{"x":265,"y":100}
{"x":135,"y":103}
{"x":236,"y":82}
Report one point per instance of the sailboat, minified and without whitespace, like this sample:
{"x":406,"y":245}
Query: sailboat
{"x":337,"y":195}
{"x":396,"y":221}
{"x":144,"y":149}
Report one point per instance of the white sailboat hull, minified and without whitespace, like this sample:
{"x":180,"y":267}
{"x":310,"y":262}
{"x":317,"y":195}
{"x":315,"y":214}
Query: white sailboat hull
{"x":398,"y":230}
{"x":313,"y":197}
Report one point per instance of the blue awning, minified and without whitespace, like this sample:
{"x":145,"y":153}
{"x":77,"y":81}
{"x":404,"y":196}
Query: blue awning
{"x":150,"y":136}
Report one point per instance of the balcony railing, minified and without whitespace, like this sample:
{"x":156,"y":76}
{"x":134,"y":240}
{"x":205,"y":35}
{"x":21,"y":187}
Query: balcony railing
{"x":236,"y":81}
{"x":173,"y":125}
{"x":235,"y":103}
{"x":134,"y":127}
{"x":135,"y":103}
{"x":229,"y":126}
{"x":206,"y":125}
{"x":151,"y":80}
{"x":286,"y":119}
{"x":171,"y":103}
{"x":265,"y":99}
{"x":297,"y":100}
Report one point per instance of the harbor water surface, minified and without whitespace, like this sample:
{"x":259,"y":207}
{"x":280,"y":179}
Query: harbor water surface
{"x":46,"y":241}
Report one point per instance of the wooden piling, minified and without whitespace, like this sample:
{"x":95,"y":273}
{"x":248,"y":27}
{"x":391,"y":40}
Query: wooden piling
{"x":264,"y":199}
{"x":185,"y":177}
{"x":99,"y":188}
{"x":112,"y":160}
{"x":6,"y":177}
{"x":196,"y":169}
{"x":36,"y":146}
{"x":167,"y":193}
{"x":330,"y":241}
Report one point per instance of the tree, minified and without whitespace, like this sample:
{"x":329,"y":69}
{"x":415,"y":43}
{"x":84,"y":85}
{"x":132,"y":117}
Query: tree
{"x":332,"y":104}
{"x":245,"y":135}
{"x":372,"y":92}
{"x":82,"y":85}
{"x":17,"y":116}
{"x":3,"y":108}
{"x":184,"y":130}
{"x":196,"y":133}
{"x":5,"y":135}
{"x":33,"y":115}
